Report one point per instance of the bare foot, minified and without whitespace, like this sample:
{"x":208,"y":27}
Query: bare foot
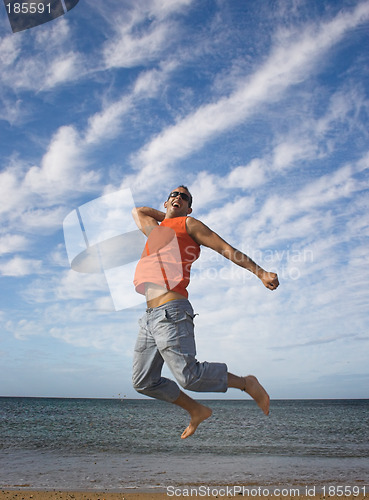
{"x":198,"y":415}
{"x":257,"y":392}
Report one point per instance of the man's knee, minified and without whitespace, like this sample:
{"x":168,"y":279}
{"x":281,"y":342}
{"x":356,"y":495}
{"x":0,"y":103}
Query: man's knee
{"x":139,"y":384}
{"x":144,"y":385}
{"x":138,"y":388}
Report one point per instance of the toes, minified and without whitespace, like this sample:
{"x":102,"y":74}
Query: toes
{"x":187,"y":432}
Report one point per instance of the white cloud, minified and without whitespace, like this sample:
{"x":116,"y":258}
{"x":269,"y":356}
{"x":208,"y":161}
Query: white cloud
{"x":132,"y":46}
{"x":164,"y":8}
{"x":53,"y":59}
{"x":69,"y":285}
{"x":80,"y":324}
{"x":58,"y":256}
{"x":64,"y":69}
{"x":225,"y":219}
{"x":205,"y":189}
{"x":18,"y":266}
{"x":10,"y":192}
{"x":106,"y":123}
{"x":327,"y":189}
{"x":61,"y":166}
{"x":130,"y":50}
{"x":287,"y":153}
{"x":62,"y":171}
{"x":101,"y":337}
{"x":23,"y":328}
{"x":11,"y":110}
{"x":48,"y":187}
{"x":41,"y":219}
{"x":344,"y":106}
{"x":149,"y":82}
{"x":363,"y":163}
{"x":286,"y":65}
{"x":12,"y":243}
{"x":247,"y":176}
{"x":10,"y":47}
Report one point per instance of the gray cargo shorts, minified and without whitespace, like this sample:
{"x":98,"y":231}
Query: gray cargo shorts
{"x":167,"y":335}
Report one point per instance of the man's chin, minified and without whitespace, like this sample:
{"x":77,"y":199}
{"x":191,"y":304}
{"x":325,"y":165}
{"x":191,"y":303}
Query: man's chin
{"x":175,"y":212}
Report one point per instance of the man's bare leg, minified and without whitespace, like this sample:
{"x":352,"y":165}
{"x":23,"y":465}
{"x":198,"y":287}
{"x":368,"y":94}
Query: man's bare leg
{"x":252,"y":386}
{"x":197,"y":411}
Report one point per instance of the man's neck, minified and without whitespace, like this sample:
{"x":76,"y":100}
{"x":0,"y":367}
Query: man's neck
{"x":168,"y":216}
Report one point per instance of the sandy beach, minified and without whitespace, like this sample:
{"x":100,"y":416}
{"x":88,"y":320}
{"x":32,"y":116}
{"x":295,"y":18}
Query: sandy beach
{"x":216,"y":493}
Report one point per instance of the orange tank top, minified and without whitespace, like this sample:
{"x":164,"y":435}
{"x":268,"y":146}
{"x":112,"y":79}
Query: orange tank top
{"x":167,"y":257}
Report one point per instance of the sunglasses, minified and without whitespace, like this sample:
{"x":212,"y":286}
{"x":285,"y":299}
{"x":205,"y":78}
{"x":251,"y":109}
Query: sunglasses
{"x":184,"y":196}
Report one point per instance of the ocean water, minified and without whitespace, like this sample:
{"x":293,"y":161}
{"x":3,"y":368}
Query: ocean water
{"x":97,"y":444}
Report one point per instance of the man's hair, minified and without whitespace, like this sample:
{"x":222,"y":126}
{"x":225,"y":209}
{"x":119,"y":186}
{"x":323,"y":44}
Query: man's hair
{"x":188,"y":191}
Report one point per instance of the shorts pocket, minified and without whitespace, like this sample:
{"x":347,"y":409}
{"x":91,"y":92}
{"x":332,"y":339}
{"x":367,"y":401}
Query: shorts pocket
{"x":176,"y":330}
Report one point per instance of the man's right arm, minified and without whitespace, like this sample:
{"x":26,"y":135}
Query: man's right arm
{"x":147,"y":218}
{"x":205,"y":236}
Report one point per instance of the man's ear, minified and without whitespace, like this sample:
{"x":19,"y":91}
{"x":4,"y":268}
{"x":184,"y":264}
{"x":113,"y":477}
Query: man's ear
{"x":189,"y":211}
{"x":165,"y":204}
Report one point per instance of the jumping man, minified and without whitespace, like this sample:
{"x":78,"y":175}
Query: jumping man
{"x":166,"y":330}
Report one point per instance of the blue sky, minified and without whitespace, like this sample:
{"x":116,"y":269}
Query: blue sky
{"x":261,"y":108}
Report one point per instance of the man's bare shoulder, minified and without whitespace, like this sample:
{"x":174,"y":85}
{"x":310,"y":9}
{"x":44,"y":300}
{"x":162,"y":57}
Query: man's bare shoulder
{"x":191,"y":220}
{"x":194,"y":224}
{"x":197,"y":230}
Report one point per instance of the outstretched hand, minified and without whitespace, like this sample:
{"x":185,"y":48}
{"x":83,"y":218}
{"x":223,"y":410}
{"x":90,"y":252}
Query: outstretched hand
{"x":270,"y":280}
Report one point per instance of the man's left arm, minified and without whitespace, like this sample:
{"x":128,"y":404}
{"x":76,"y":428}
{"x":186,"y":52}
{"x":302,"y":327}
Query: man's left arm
{"x":203,"y":235}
